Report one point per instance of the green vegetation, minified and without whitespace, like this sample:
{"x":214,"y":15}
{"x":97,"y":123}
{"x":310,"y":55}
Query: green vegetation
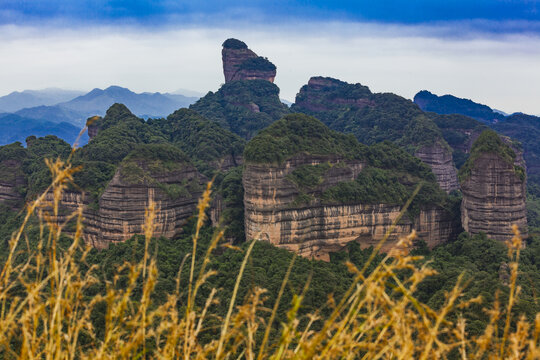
{"x":309,"y":176}
{"x":490,"y":143}
{"x":372,"y":118}
{"x":231,"y":191}
{"x":525,"y":129}
{"x":298,"y":133}
{"x":234,"y":44}
{"x":373,"y":186}
{"x":244,"y":107}
{"x":448,"y":104}
{"x":148,"y":162}
{"x":257,"y":63}
{"x":204,"y":141}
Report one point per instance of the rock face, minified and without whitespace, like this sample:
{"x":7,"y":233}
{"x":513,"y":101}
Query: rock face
{"x":494,"y":189}
{"x":11,"y":181}
{"x":493,"y":199}
{"x":93,"y":124}
{"x":240,"y":63}
{"x":272,"y":212}
{"x":121,"y":210}
{"x":439,"y":158}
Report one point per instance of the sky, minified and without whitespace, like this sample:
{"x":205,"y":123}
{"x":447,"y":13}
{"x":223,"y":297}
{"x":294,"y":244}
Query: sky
{"x":488,"y":51}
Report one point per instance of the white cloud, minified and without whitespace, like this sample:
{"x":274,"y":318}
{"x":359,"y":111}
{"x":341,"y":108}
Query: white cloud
{"x":502,"y":72}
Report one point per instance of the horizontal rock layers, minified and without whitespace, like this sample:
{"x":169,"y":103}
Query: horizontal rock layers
{"x":11,"y":181}
{"x":494,"y":198}
{"x":439,"y":158}
{"x":315,"y":229}
{"x":121,"y":210}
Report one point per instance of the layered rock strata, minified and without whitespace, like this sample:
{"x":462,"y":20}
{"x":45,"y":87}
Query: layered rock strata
{"x":121,"y":210}
{"x":439,"y":158}
{"x":494,"y":197}
{"x":11,"y":182}
{"x":314,"y":229}
{"x":241,"y":63}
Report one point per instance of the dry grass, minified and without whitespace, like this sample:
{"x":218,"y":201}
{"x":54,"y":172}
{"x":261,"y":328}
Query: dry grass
{"x":44,"y":313}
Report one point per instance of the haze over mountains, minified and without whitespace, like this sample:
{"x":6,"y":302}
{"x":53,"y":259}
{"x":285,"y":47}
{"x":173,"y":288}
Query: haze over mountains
{"x":64,"y":112}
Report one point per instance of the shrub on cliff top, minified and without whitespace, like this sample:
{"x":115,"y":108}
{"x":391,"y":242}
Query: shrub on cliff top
{"x":257,"y":63}
{"x":298,"y":133}
{"x":234,"y":44}
{"x":489,"y":143}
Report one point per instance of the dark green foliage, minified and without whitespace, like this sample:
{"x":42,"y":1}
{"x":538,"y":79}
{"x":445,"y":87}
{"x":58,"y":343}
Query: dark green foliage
{"x":231,"y":191}
{"x":39,"y":149}
{"x":448,"y":104}
{"x":162,"y":152}
{"x":526,"y":129}
{"x":148,"y":161}
{"x":533,"y":204}
{"x":120,"y":132}
{"x":13,"y":151}
{"x":204,"y":141}
{"x":389,"y":156}
{"x":266,"y":268}
{"x":489,"y":143}
{"x":234,"y":44}
{"x":372,"y":118}
{"x":309,"y":176}
{"x":373,"y":186}
{"x":421,"y":131}
{"x":481,"y":260}
{"x":257,"y":63}
{"x":243,"y":107}
{"x":391,"y":176}
{"x":19,"y":165}
{"x":297,"y":133}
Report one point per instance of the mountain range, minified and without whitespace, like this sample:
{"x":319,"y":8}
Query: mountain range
{"x":64,"y":112}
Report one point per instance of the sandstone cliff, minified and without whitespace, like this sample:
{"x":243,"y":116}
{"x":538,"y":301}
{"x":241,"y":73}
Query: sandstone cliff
{"x":273,"y":212}
{"x":494,"y":189}
{"x":312,"y":190}
{"x":439,"y":158}
{"x":175,"y":187}
{"x":12,"y":180}
{"x":240,"y":63}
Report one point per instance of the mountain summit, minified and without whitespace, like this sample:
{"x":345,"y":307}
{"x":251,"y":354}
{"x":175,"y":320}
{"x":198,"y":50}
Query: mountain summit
{"x":241,"y":63}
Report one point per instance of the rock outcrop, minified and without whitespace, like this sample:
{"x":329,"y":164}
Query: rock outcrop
{"x":313,"y":190}
{"x":120,"y":211}
{"x":439,"y":158}
{"x":494,"y":189}
{"x":93,"y":124}
{"x":240,"y":63}
{"x":315,"y":229}
{"x":12,"y":180}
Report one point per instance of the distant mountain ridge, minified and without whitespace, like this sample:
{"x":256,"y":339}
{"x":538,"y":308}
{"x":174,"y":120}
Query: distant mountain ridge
{"x":449,"y":104}
{"x":18,"y":100}
{"x":66,"y":117}
{"x":13,"y":128}
{"x":97,"y":101}
{"x":522,"y":127}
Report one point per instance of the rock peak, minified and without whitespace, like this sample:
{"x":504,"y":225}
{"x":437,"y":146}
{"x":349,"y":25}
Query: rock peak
{"x":241,"y":63}
{"x":493,"y":183}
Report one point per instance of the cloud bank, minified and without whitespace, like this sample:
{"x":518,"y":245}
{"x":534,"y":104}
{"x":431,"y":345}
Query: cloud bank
{"x":500,"y":70}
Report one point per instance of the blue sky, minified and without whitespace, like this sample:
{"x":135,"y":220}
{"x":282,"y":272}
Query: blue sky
{"x":487,"y":51}
{"x":214,"y":12}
